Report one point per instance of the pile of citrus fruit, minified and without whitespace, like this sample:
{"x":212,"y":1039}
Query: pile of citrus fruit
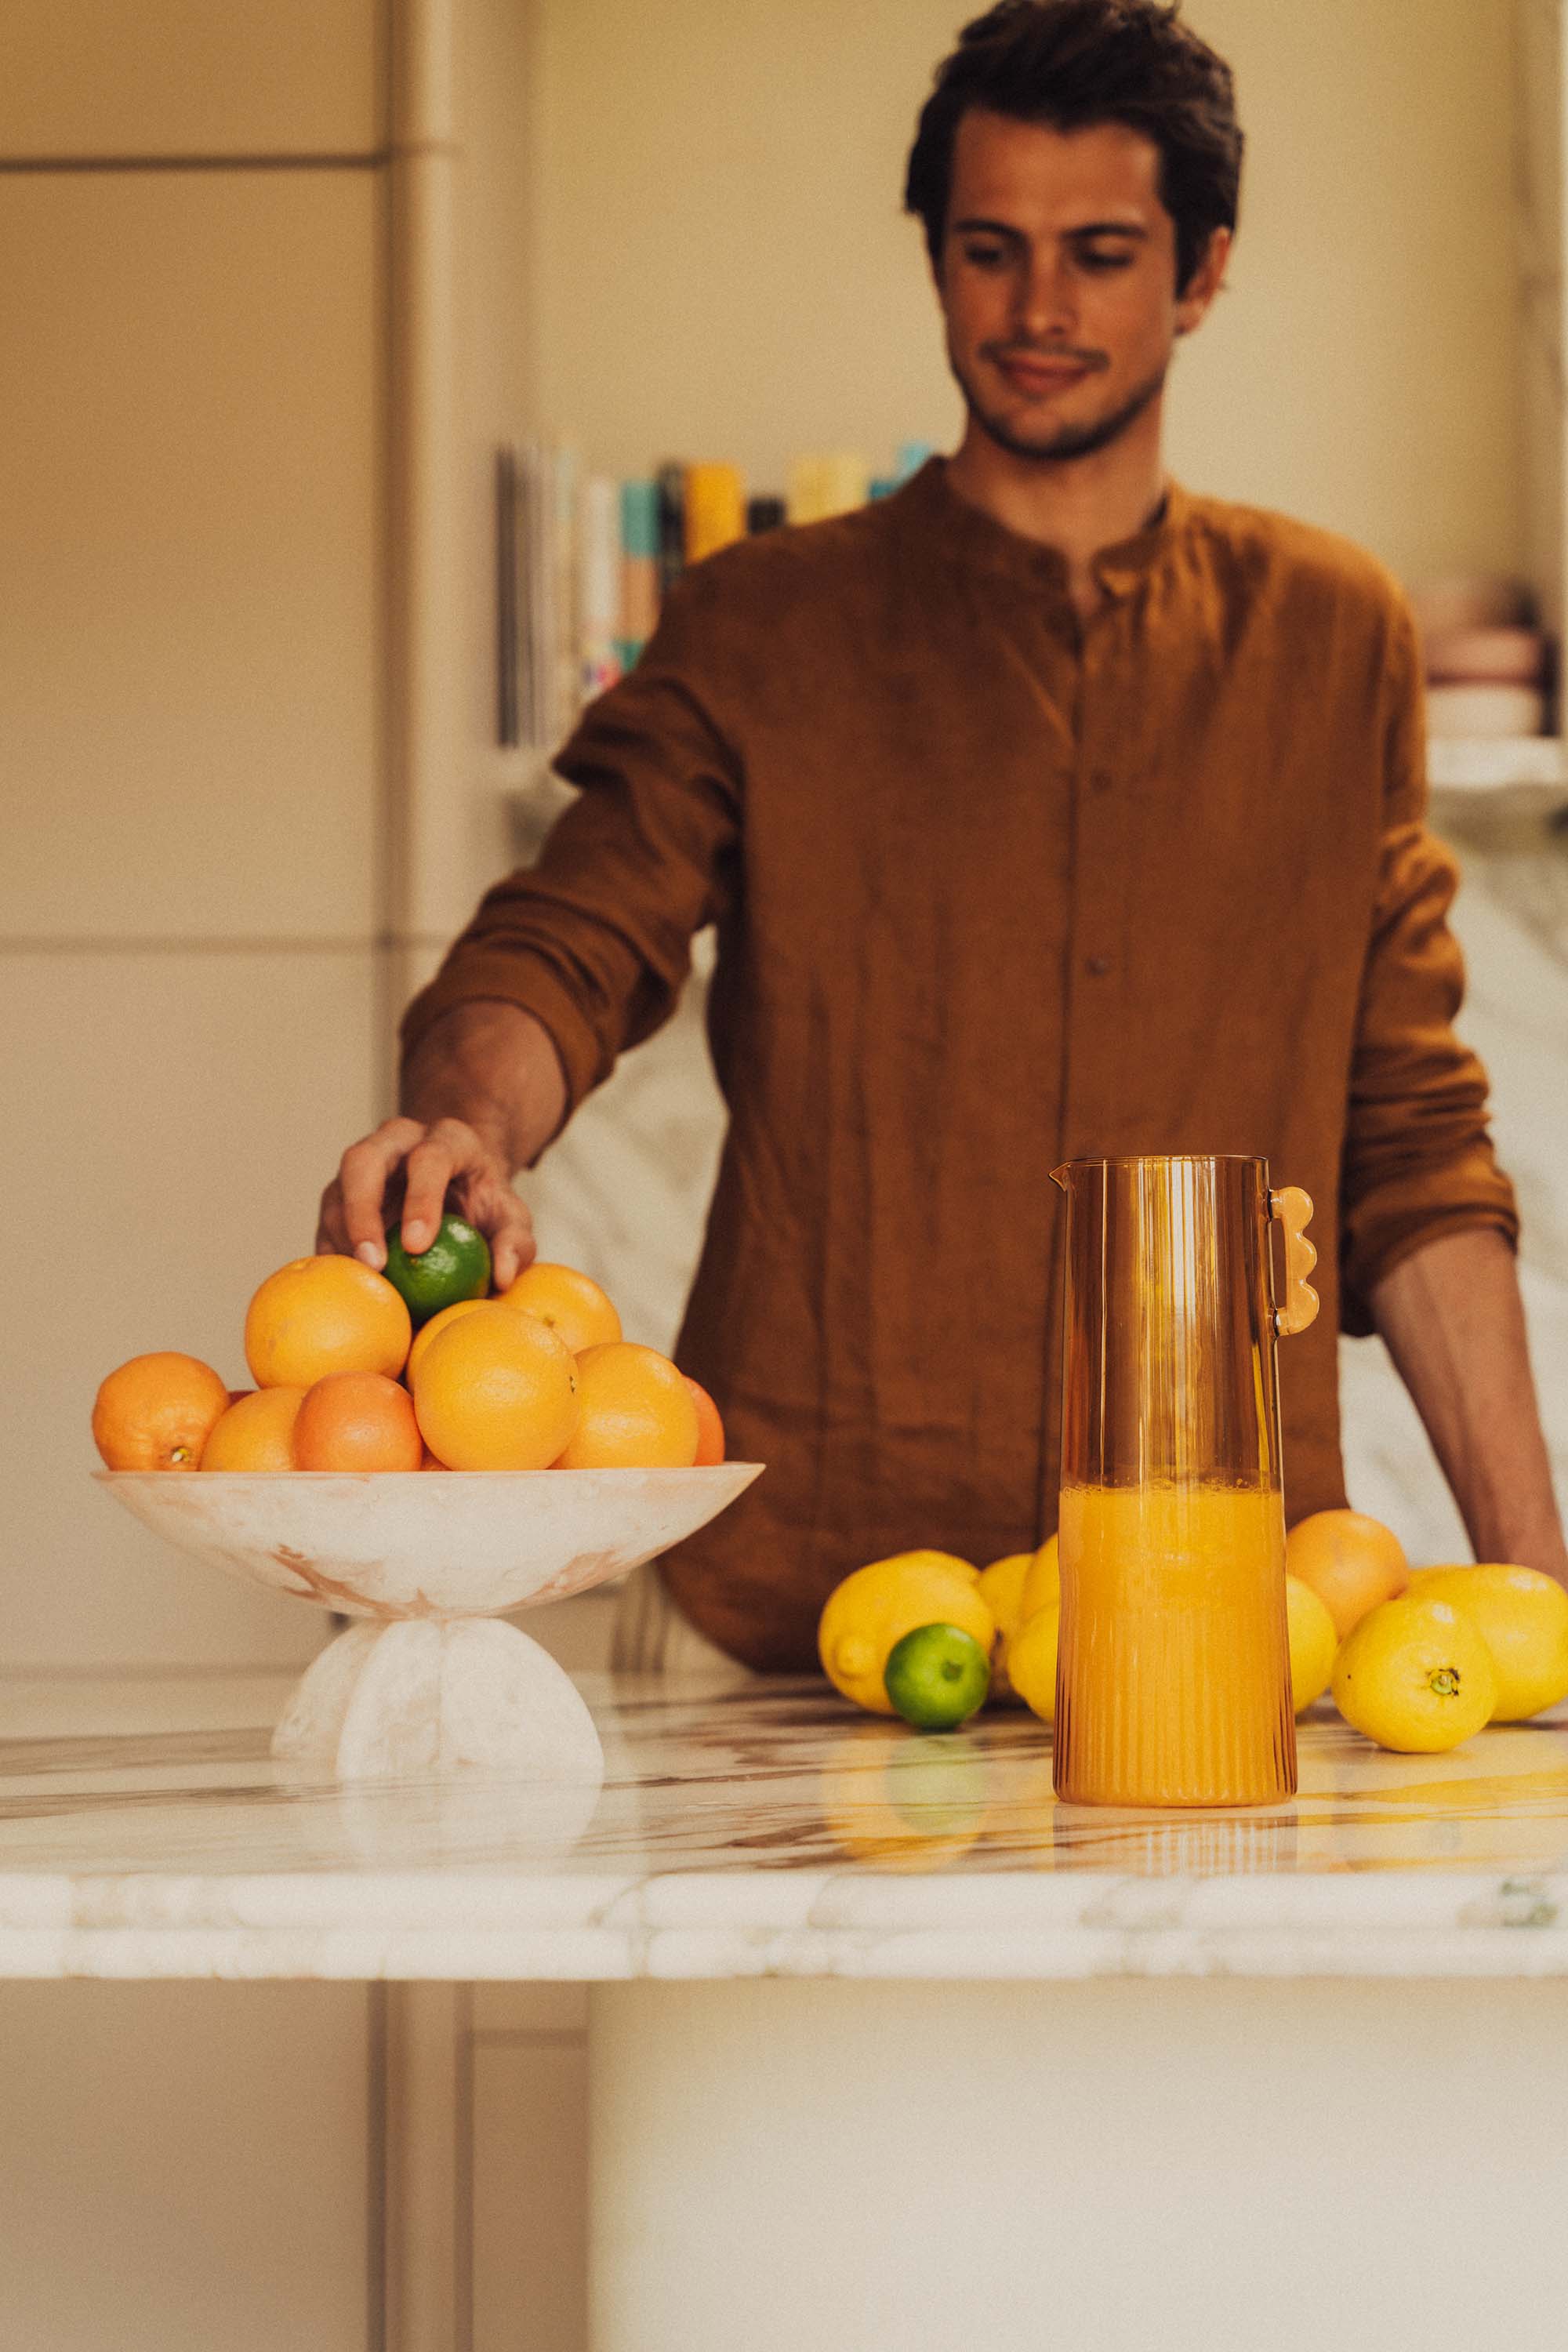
{"x":415,"y":1368}
{"x":1417,"y":1660}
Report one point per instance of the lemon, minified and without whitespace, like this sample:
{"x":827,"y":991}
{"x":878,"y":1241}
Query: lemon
{"x":1001,"y":1587}
{"x":1313,"y":1641}
{"x":1032,"y":1661}
{"x":1415,"y":1676}
{"x":1043,"y":1584}
{"x":937,"y":1677}
{"x":1522,"y":1618}
{"x":878,"y":1604}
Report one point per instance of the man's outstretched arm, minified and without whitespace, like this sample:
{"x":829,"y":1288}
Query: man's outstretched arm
{"x":1452,"y":1319}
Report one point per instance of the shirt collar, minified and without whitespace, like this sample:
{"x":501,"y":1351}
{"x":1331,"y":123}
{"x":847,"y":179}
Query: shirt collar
{"x":970,"y":536}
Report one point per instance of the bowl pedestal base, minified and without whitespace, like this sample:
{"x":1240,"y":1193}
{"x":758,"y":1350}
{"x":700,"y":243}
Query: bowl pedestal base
{"x":432,"y":1696}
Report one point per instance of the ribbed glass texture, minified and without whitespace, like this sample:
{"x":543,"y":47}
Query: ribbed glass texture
{"x":1174,"y":1674}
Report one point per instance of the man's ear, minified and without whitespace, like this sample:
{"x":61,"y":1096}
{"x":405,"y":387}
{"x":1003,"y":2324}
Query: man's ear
{"x":1192,"y":303}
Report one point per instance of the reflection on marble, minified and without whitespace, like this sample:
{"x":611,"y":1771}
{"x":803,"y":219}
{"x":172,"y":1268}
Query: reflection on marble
{"x":1511,"y":920}
{"x":765,"y":1830}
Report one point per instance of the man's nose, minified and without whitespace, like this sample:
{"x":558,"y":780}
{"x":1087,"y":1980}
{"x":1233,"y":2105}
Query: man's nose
{"x":1047,"y":298}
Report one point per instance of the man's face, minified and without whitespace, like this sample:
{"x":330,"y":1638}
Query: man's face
{"x":1058,"y":282}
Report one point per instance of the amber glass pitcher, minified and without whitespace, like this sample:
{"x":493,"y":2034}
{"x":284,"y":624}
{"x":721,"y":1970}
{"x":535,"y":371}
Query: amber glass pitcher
{"x":1173,"y":1669}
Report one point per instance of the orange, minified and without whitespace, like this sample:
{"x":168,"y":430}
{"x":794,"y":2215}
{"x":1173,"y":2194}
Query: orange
{"x":426,"y":1331}
{"x":1350,"y":1561}
{"x":637,"y":1413}
{"x":495,"y":1390}
{"x":256,"y":1433}
{"x":157,"y":1412}
{"x":710,"y":1427}
{"x":357,"y":1421}
{"x":572,"y":1304}
{"x":321,"y":1315}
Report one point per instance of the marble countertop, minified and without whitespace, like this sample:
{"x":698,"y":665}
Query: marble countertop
{"x":145,"y":1831}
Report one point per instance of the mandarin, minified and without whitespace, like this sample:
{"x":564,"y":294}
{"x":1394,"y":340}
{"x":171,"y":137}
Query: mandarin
{"x":321,"y":1315}
{"x":157,"y":1412}
{"x":1350,"y":1561}
{"x":495,"y":1390}
{"x":426,"y":1331}
{"x":572,"y":1304}
{"x":256,"y":1433}
{"x":636,"y":1412}
{"x":357,"y":1421}
{"x":709,"y":1425}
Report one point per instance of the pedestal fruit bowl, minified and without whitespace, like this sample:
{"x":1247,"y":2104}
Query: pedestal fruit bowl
{"x":431,"y":1681}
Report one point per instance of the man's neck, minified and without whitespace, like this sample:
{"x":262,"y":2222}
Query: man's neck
{"x":1079,"y":506}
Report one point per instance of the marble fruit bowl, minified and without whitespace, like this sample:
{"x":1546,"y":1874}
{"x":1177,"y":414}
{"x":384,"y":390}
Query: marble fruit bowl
{"x":432,"y":1681}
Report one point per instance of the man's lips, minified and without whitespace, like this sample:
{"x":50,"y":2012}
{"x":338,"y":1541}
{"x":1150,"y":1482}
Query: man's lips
{"x":1033,"y":375}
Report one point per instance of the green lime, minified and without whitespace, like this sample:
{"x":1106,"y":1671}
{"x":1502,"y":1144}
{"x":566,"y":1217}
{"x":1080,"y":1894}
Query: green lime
{"x":456,"y":1265}
{"x":937,"y":1677}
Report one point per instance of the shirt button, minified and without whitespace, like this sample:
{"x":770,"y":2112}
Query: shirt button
{"x":1099,"y":965}
{"x":1100,"y":780}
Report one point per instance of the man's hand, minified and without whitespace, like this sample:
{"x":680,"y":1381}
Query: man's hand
{"x":482,"y":1094}
{"x":425,"y":1166}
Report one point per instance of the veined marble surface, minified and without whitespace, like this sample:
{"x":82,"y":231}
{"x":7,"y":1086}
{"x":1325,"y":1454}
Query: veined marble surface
{"x":758,"y":1830}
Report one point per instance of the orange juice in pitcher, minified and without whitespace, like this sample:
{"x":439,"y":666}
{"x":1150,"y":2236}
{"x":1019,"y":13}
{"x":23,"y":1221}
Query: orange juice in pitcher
{"x":1173,"y":1669}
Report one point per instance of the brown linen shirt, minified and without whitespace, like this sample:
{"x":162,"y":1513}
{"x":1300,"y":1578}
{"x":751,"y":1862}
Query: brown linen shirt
{"x":994,"y":890}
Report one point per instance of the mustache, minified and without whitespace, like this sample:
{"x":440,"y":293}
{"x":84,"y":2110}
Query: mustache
{"x":1056,"y":354}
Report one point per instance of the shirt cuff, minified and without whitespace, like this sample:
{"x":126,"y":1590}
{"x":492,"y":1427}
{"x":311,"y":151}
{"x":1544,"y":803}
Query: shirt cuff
{"x":485,"y":976}
{"x":1404,"y":1217}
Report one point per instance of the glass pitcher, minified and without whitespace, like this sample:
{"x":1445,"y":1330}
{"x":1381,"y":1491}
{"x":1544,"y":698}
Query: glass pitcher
{"x":1173,"y":1669}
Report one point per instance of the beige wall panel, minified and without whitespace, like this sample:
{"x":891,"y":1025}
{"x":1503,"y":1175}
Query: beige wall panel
{"x":174,"y":1117}
{"x":722,"y":269}
{"x":529,"y":2198}
{"x":189,"y":483}
{"x":1363,"y":369}
{"x":183,"y":2164}
{"x":93,"y":78}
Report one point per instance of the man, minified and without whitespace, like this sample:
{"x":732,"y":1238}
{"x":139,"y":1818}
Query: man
{"x":1044,"y":811}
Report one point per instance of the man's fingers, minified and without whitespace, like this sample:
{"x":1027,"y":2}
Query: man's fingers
{"x":331,"y":1233}
{"x":509,"y":1229}
{"x":362,"y":1181}
{"x":448,"y":1151}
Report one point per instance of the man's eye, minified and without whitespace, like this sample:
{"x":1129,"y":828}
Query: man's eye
{"x":983,"y":257}
{"x":1103,"y":258}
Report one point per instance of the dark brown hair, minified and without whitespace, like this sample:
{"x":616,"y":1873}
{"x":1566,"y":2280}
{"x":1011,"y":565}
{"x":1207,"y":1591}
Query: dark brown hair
{"x":1073,"y":63}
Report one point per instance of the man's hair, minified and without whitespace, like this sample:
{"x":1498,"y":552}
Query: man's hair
{"x":1070,"y":64}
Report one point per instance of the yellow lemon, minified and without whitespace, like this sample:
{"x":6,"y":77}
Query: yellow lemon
{"x":1415,"y":1676}
{"x":878,"y":1604}
{"x":1522,"y":1618}
{"x":1042,"y":1584}
{"x":1032,"y":1661}
{"x":1001,"y":1587}
{"x":1313,"y":1641}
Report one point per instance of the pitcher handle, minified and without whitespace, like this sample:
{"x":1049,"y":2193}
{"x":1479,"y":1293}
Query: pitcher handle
{"x":1293,"y":1207}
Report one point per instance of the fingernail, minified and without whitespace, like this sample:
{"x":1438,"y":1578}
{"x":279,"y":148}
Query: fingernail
{"x":369,"y":1254}
{"x":415,"y":1236}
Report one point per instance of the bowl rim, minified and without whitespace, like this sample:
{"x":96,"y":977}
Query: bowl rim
{"x":230,"y":1478}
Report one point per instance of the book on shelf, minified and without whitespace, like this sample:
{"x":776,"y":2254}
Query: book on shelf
{"x":583,"y":561}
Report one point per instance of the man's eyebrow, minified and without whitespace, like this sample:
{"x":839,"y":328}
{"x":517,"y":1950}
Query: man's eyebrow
{"x":977,"y":226}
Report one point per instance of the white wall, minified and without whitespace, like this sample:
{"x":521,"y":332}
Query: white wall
{"x":720,"y":265}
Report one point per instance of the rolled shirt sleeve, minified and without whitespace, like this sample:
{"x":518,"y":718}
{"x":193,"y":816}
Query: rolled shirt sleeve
{"x":1418,"y":1159}
{"x":594,"y":941}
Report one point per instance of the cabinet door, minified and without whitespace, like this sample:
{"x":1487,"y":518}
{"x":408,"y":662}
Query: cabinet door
{"x":100,"y":78}
{"x":189,"y":531}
